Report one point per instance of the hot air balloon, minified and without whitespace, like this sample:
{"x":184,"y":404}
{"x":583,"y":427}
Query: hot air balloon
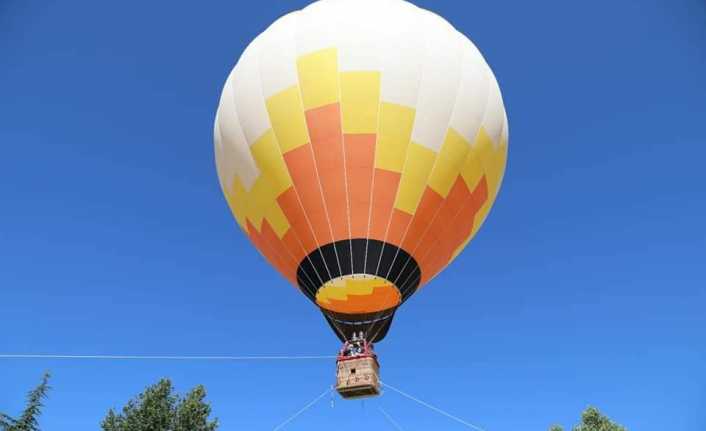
{"x":360,"y":145}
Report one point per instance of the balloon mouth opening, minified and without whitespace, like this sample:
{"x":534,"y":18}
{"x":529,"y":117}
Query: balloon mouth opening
{"x":369,"y":274}
{"x":358,"y":284}
{"x":358,"y":293}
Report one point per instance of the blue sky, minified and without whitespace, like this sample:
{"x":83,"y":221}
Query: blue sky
{"x":587,"y":284}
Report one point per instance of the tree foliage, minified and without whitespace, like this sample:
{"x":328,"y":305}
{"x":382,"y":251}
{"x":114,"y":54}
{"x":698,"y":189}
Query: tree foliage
{"x":29,"y":419}
{"x":158,"y":408}
{"x":593,"y":420}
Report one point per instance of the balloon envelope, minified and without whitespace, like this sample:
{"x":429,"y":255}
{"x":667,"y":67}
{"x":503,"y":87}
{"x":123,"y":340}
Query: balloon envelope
{"x":360,"y":145}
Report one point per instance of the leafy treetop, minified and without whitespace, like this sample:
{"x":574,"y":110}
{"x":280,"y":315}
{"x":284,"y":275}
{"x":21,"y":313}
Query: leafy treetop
{"x":593,"y":420}
{"x":29,"y":419}
{"x":158,"y":408}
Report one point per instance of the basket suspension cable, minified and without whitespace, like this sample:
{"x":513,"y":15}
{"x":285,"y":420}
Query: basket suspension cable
{"x":377,"y":316}
{"x":382,"y":325}
{"x":334,"y":324}
{"x":390,"y":420}
{"x":369,"y":328}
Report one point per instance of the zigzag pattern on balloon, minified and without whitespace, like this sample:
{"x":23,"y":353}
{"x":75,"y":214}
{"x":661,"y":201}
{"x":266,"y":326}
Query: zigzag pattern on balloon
{"x":329,"y":131}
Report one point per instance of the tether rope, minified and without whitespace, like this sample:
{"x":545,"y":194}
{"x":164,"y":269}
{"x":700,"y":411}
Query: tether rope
{"x":166,"y":358}
{"x":302,"y":410}
{"x":389,"y":419}
{"x":429,"y":406}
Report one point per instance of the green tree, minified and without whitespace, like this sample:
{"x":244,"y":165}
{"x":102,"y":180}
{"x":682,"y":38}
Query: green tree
{"x":29,"y":419}
{"x":593,"y":420}
{"x":158,"y":408}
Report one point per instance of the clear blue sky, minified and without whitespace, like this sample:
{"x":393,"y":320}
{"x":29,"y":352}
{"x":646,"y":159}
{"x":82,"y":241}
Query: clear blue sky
{"x":587,"y":285}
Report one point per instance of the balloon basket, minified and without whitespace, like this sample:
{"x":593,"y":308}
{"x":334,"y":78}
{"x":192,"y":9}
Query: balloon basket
{"x":357,"y":371}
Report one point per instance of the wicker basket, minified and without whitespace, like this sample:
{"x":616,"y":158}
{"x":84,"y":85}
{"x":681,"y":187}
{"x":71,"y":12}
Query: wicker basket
{"x":358,"y":377}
